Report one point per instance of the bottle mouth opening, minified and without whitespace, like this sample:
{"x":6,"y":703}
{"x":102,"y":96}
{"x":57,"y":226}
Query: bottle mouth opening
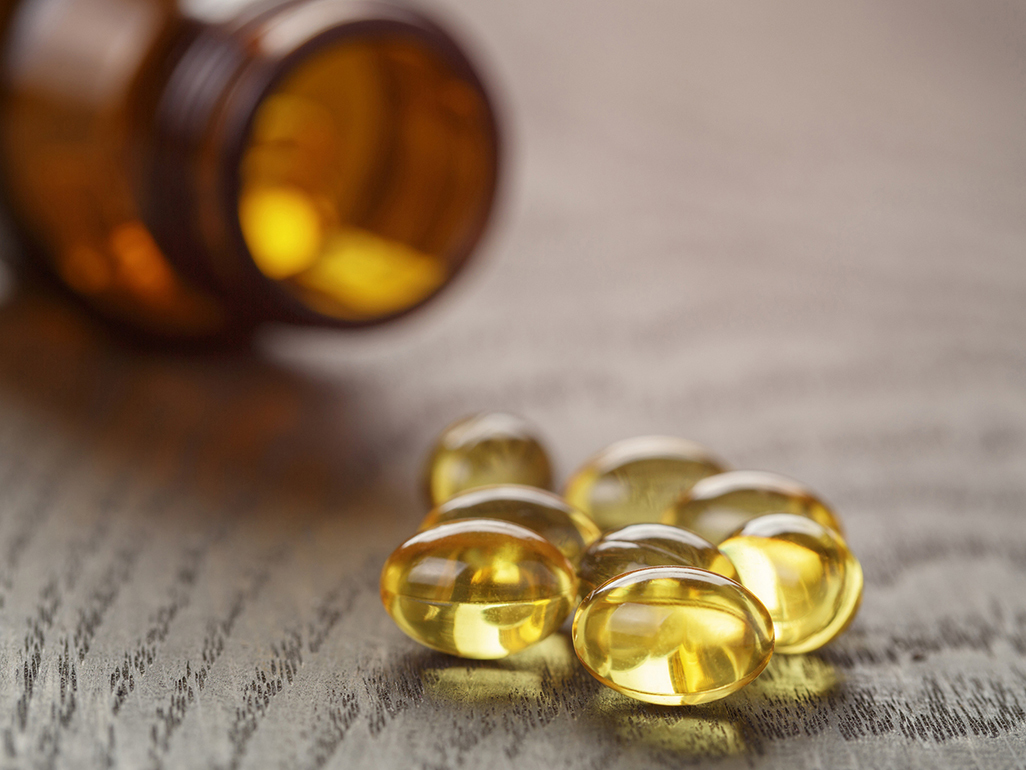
{"x":367,"y":173}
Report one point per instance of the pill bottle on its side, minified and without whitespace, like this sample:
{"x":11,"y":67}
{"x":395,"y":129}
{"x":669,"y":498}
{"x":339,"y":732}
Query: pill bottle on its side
{"x":193,"y":168}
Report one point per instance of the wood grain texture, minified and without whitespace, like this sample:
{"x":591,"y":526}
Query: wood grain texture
{"x":794,"y":233}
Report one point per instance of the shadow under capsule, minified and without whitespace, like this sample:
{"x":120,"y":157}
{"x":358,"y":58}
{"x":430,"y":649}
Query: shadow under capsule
{"x":785,"y":702}
{"x":547,"y":677}
{"x":732,"y":726}
{"x":795,"y":678}
{"x":536,"y":675}
{"x":703,"y":731}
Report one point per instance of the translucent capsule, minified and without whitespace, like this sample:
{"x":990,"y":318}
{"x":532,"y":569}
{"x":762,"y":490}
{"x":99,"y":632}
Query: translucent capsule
{"x":543,"y":512}
{"x":718,"y":505}
{"x":673,"y":635}
{"x":803,"y":572}
{"x":483,"y":449}
{"x":637,"y":546}
{"x":634,"y":480}
{"x":478,"y":588}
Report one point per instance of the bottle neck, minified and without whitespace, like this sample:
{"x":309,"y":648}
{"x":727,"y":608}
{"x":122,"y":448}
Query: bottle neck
{"x":207,"y":153}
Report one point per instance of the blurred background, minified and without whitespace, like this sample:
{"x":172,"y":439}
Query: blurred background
{"x":793,"y":233}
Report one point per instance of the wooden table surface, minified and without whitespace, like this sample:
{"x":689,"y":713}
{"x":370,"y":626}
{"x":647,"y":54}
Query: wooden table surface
{"x":794,"y":232}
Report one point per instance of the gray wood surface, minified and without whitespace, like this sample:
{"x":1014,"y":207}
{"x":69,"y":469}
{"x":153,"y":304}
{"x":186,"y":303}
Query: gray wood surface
{"x":794,"y":232}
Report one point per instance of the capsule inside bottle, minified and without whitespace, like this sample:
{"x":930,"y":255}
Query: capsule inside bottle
{"x":367,"y":170}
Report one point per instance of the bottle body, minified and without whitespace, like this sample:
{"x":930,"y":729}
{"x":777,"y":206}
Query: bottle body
{"x":193,"y":167}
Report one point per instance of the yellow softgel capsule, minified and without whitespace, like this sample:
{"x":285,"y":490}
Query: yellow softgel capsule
{"x":637,"y":546}
{"x":635,"y":480}
{"x":803,"y":572}
{"x":543,"y":512}
{"x":718,"y":505}
{"x":673,"y":635}
{"x":483,"y":449}
{"x":478,"y":588}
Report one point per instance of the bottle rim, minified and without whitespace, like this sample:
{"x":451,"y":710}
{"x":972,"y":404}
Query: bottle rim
{"x":214,"y":116}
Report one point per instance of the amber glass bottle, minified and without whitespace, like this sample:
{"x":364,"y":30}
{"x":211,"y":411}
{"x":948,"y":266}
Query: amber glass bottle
{"x":196,"y":167}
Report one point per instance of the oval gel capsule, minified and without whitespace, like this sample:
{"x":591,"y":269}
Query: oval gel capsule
{"x":478,"y":588}
{"x":543,"y":512}
{"x":673,"y":635}
{"x":718,"y":505}
{"x":483,"y":449}
{"x":635,"y":480}
{"x":803,"y":572}
{"x":637,"y":546}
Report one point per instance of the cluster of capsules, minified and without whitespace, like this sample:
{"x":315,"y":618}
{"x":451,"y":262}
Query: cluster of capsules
{"x":686,"y":576}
